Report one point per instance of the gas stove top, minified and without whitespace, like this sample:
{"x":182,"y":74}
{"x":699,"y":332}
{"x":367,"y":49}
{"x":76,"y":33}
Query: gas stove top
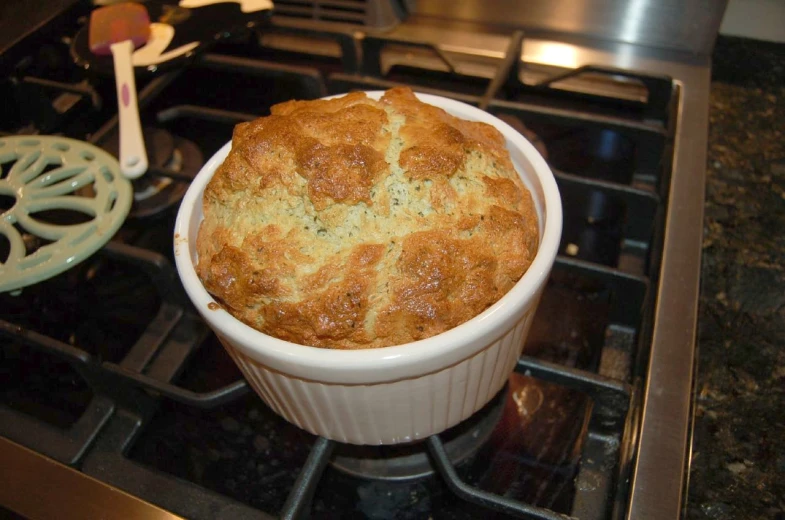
{"x":113,"y":376}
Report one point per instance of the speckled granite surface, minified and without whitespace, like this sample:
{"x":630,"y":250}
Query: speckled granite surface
{"x":738,"y":463}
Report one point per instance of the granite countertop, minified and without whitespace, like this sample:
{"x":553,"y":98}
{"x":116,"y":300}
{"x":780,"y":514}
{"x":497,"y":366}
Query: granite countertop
{"x":738,"y":459}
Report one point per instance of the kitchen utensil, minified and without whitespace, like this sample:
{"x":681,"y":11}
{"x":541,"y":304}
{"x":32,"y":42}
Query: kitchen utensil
{"x":118,"y":30}
{"x":179,"y":33}
{"x":394,"y":394}
{"x":48,"y":228}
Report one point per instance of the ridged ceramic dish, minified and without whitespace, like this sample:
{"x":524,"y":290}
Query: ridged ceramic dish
{"x":394,"y":394}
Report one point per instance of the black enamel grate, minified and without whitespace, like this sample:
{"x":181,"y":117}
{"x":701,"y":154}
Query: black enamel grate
{"x":611,"y":162}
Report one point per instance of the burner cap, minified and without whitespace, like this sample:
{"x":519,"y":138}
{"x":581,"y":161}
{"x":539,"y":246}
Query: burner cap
{"x":410,"y":461}
{"x":154,"y":195}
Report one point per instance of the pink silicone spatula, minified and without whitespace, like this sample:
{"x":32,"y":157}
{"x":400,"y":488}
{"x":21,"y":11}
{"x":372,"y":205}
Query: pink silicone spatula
{"x":117,"y":30}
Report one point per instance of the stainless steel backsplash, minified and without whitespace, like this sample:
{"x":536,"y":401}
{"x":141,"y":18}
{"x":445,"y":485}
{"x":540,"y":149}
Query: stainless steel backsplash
{"x":685,"y":25}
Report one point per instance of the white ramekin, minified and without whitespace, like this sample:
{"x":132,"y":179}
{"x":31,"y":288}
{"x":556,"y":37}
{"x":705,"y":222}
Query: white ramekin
{"x":394,"y":394}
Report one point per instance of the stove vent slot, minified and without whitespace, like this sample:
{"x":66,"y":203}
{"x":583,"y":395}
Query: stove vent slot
{"x":380,"y":14}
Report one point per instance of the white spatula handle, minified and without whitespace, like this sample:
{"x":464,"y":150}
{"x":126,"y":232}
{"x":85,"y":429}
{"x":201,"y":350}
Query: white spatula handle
{"x":133,"y":155}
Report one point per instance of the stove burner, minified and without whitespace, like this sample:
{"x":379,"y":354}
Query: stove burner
{"x":411,"y":461}
{"x":526,"y":132}
{"x":154,"y":195}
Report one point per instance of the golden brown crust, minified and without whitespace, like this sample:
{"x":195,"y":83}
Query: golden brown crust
{"x":351,"y":223}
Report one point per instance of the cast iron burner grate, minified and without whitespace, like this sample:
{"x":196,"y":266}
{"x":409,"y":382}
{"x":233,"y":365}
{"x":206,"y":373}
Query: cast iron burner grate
{"x":410,"y":460}
{"x":612,"y":161}
{"x":126,"y":454}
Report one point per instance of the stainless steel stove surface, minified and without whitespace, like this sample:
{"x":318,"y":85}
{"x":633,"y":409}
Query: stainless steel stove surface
{"x":117,"y":389}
